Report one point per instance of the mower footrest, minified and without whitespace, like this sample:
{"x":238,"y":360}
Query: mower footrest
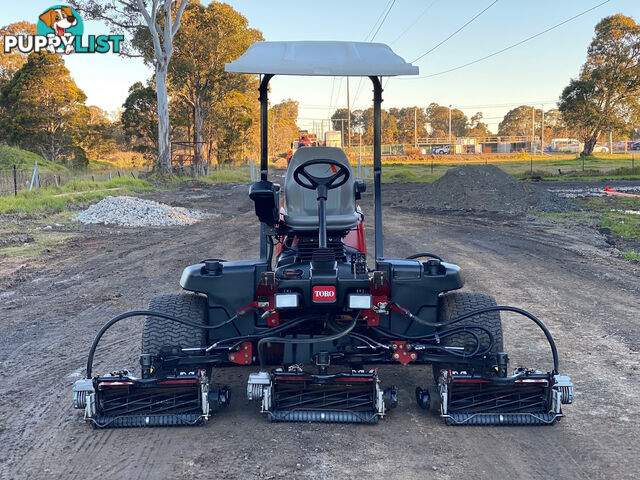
{"x":501,"y":419}
{"x":327,"y":416}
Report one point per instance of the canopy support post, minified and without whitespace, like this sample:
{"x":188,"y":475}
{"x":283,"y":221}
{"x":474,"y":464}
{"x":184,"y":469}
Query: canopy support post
{"x":264,"y":148}
{"x":377,"y":163}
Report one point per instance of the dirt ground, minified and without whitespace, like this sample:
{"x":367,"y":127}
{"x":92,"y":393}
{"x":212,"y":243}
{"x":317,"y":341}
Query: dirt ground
{"x":52,"y":304}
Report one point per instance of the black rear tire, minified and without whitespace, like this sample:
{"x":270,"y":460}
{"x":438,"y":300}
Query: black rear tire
{"x":454,"y":304}
{"x":160,"y":332}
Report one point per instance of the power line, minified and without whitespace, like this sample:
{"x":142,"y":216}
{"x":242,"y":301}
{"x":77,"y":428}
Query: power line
{"x":333,"y":84}
{"x":454,"y":33}
{"x":379,"y":17}
{"x":415,"y":22}
{"x":311,"y":106}
{"x":507,"y":48}
{"x":513,"y":104}
{"x":443,"y":41}
{"x":355,"y":97}
{"x":383,"y":20}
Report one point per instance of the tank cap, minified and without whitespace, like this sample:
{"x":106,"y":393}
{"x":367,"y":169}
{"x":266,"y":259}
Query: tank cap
{"x":213,"y":266}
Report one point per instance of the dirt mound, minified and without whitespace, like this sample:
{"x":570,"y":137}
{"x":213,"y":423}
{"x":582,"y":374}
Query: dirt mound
{"x":487,"y":188}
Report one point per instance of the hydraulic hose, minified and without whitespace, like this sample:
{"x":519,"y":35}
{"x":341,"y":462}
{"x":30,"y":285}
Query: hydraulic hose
{"x":324,"y":338}
{"x":497,"y":308}
{"x":453,"y":331}
{"x":139,"y":313}
{"x":425,"y":254}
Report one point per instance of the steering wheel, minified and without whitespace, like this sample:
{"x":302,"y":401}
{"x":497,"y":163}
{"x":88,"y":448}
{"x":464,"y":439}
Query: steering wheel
{"x":306,"y":180}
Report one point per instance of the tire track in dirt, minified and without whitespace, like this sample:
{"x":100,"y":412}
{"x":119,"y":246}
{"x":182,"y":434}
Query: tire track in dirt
{"x":48,"y":329}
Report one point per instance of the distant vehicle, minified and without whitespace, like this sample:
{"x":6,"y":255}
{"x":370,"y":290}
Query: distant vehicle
{"x":565,"y":145}
{"x":600,"y":149}
{"x":305,"y":139}
{"x":333,"y":138}
{"x":634,"y":146}
{"x":444,"y":150}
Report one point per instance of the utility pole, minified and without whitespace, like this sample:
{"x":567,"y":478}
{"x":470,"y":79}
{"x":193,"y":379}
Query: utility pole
{"x":533,"y":132}
{"x":542,"y":130}
{"x":449,"y":128}
{"x":348,"y":119}
{"x":360,"y":159}
{"x":610,"y":141}
{"x":533,"y":127}
{"x":415,"y":127}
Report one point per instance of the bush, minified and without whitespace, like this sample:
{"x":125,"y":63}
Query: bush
{"x":79,"y":161}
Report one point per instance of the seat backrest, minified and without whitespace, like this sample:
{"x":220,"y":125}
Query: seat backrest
{"x":302,"y":204}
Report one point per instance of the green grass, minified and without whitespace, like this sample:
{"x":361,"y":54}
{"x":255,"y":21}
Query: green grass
{"x":227,"y":176}
{"x":626,"y":225}
{"x":609,"y":202}
{"x":407,"y":175}
{"x":41,"y":242}
{"x":631,"y":255}
{"x":23,"y":159}
{"x":76,"y":191}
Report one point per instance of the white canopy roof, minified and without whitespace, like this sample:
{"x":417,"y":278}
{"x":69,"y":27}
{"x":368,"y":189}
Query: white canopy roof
{"x":352,"y":59}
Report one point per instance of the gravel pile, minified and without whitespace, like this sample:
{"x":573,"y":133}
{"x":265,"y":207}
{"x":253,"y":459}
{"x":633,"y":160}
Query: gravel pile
{"x":487,"y":188}
{"x":135,"y":212}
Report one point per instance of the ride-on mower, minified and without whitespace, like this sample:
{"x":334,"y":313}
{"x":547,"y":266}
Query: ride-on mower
{"x":312,"y":312}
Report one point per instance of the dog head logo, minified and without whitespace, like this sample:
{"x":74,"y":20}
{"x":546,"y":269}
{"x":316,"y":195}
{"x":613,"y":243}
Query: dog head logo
{"x":60,"y":21}
{"x":60,"y":30}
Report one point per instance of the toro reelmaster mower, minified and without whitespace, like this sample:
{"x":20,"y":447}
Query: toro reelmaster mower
{"x":312,"y":314}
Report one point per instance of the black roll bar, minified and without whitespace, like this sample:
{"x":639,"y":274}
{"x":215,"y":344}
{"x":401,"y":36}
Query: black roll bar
{"x":377,"y":151}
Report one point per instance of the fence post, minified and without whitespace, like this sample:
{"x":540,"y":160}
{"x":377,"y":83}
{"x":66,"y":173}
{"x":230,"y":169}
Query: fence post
{"x":15,"y":181}
{"x":632,"y":164}
{"x":132,"y":175}
{"x":431,"y":165}
{"x":34,"y":176}
{"x":109,"y":175}
{"x":118,"y":173}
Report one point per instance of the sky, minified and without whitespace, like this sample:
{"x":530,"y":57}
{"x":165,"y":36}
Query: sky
{"x":532,"y":73}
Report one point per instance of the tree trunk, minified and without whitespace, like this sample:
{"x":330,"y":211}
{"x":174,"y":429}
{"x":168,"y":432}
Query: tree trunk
{"x":589,"y":144}
{"x":163,"y":165}
{"x":198,"y":134}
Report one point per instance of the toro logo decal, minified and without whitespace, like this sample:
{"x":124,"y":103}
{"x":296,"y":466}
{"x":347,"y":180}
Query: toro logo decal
{"x":324,"y":294}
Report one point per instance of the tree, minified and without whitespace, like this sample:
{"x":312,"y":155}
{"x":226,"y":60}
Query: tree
{"x":408,"y":120}
{"x":10,"y":63}
{"x":339,"y":121}
{"x":606,"y":95}
{"x":388,"y":128}
{"x":97,"y":135}
{"x":477,"y":128}
{"x":282,"y":126}
{"x":208,"y":38}
{"x":438,"y":116}
{"x":234,"y":118}
{"x":555,"y":126}
{"x":161,"y":18}
{"x":517,"y":122}
{"x":44,"y":107}
{"x":140,"y":118}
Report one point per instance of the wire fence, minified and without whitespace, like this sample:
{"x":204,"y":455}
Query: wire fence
{"x":15,"y":180}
